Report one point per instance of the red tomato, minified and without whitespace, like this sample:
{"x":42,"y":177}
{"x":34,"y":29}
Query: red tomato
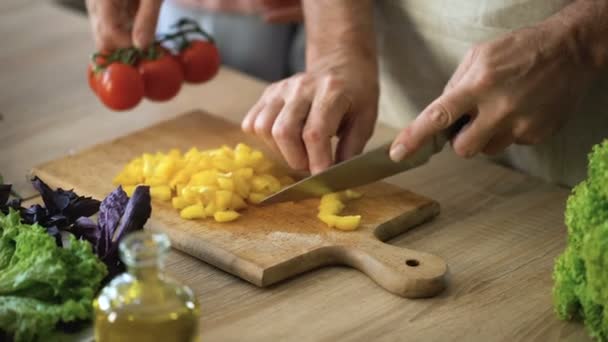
{"x":200,"y":61}
{"x":93,"y":76}
{"x":162,"y":77}
{"x":120,"y":87}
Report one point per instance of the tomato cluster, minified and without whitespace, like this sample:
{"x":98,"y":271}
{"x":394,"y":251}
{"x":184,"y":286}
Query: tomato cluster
{"x":122,"y":78}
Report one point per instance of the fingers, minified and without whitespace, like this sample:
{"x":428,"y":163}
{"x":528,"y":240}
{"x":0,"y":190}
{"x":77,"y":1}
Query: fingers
{"x":474,"y":137}
{"x":145,"y":22}
{"x":328,"y":109}
{"x":498,"y":143}
{"x":287,"y":132}
{"x":353,"y":137}
{"x":262,"y":126}
{"x":249,"y":120}
{"x":109,"y":23}
{"x":435,"y":118}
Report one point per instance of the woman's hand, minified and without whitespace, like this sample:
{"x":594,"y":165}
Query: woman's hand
{"x":299,"y":116}
{"x":123,"y":23}
{"x":518,"y":89}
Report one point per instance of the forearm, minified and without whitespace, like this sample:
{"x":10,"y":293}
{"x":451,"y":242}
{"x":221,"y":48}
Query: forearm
{"x":584,"y":25}
{"x":334,"y":25}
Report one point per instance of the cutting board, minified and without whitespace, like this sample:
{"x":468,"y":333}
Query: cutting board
{"x":270,"y":243}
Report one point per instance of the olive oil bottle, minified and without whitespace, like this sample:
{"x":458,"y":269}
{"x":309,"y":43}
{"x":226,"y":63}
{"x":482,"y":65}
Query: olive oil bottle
{"x":144,"y":304}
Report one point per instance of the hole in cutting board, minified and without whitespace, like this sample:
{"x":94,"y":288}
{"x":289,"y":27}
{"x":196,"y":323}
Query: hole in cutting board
{"x":412,"y":262}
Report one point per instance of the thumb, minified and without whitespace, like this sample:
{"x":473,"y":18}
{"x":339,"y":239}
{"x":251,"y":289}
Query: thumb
{"x":144,"y":25}
{"x":436,"y":117}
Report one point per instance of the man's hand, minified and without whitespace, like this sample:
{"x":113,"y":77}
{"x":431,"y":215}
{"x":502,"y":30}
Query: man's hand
{"x":519,"y":89}
{"x":299,"y":116}
{"x":123,"y":23}
{"x":336,"y":96}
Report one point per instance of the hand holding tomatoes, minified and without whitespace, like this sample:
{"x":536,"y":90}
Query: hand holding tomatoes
{"x":122,"y":78}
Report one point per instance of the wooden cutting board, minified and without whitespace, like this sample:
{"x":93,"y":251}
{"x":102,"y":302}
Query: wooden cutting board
{"x":267,"y":244}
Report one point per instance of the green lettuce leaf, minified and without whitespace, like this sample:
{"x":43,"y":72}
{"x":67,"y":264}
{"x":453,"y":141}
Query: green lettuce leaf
{"x":41,"y":283}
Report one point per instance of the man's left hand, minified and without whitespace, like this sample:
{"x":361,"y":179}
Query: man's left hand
{"x":518,"y":89}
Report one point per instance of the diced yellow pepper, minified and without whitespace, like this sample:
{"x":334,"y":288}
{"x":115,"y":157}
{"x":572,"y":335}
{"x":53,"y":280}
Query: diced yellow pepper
{"x":192,"y":153}
{"x":334,"y":207}
{"x":347,"y":222}
{"x":255,"y":158}
{"x":331,"y":205}
{"x":205,"y":177}
{"x":256,"y":197}
{"x":129,"y":189}
{"x":210,"y":209}
{"x":286,"y":180}
{"x":149,"y":164}
{"x":153,"y":181}
{"x":160,"y":192}
{"x":264,"y":166}
{"x":274,"y":184}
{"x":180,"y":202}
{"x":242,"y":148}
{"x":226,"y":216}
{"x":328,"y":219}
{"x":223,"y":199}
{"x":225,"y":183}
{"x":237,"y":202}
{"x":352,"y":194}
{"x":228,"y":152}
{"x":192,"y":212}
{"x":203,"y":183}
{"x":259,"y":183}
{"x":223,"y":163}
{"x":241,"y":187}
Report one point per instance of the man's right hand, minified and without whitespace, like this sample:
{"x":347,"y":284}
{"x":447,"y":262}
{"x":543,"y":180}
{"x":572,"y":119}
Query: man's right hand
{"x":123,"y":23}
{"x":298,"y":116}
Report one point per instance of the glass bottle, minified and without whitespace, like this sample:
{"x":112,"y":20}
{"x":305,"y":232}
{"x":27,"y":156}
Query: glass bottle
{"x":143,"y":304}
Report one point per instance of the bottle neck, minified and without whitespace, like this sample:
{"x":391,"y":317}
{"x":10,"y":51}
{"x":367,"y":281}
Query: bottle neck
{"x":146,"y":272}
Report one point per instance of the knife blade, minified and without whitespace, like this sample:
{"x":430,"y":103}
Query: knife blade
{"x":363,"y":169}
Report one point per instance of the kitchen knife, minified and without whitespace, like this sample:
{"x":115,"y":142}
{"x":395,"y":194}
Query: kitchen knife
{"x":363,"y":169}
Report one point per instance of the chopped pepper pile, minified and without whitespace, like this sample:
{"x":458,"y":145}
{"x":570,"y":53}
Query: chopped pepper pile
{"x":220,"y":182}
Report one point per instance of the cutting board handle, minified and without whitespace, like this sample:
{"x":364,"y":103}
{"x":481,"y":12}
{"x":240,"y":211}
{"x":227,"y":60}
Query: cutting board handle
{"x":402,"y":271}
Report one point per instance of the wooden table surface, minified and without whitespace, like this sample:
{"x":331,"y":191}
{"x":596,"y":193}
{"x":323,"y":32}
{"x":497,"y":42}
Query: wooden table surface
{"x":499,"y":230}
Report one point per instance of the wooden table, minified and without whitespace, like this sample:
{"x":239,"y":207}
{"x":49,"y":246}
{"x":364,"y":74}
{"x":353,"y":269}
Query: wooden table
{"x":499,"y":230}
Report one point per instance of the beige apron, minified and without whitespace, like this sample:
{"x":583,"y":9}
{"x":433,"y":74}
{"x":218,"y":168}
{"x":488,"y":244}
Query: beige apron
{"x":421,"y":43}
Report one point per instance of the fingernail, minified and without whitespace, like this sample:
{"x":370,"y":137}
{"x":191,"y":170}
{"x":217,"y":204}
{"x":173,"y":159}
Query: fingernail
{"x":398,"y":153}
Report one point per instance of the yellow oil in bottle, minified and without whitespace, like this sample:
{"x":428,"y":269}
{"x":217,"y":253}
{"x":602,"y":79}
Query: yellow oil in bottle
{"x":143,"y":304}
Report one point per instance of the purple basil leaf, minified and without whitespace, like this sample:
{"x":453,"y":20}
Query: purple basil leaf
{"x":85,"y":228}
{"x":137,"y":212}
{"x":135,"y":217}
{"x":81,"y":207}
{"x":111,"y":210}
{"x":58,"y":220}
{"x":14,"y":203}
{"x":54,"y":232}
{"x":33,"y":214}
{"x":48,"y":195}
{"x":5,"y":193}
